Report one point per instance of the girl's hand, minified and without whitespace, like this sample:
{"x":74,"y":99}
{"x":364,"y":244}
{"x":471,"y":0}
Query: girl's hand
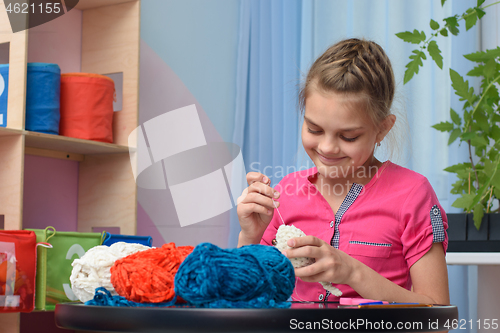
{"x":331,"y":265}
{"x":255,"y":208}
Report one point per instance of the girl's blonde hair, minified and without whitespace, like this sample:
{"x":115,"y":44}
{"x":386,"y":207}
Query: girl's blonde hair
{"x":358,"y":68}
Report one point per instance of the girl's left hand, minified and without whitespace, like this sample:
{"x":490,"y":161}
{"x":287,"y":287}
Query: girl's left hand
{"x":331,"y":265}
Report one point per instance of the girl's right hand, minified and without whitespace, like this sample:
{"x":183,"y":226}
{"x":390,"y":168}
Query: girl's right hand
{"x":255,"y":208}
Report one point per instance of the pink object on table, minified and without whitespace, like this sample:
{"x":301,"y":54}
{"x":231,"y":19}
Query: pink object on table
{"x":357,"y":301}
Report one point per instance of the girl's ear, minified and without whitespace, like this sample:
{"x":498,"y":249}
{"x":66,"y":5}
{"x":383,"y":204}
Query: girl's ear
{"x":386,"y":126}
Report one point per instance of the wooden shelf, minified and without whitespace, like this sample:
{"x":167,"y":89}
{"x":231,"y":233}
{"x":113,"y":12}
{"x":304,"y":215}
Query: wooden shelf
{"x":89,"y":4}
{"x":473,"y":258}
{"x":71,"y":145}
{"x":64,"y":144}
{"x":9,"y":131}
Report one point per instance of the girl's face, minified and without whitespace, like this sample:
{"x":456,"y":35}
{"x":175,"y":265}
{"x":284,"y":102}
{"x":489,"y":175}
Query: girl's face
{"x":338,"y":135}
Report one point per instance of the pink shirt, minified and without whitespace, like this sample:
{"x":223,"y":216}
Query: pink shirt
{"x":388,"y":224}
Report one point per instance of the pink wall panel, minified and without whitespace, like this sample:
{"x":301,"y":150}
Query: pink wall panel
{"x":58,"y":41}
{"x":146,"y":227}
{"x":50,"y":193}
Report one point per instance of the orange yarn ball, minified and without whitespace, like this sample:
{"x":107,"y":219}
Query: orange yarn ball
{"x":148,"y":276}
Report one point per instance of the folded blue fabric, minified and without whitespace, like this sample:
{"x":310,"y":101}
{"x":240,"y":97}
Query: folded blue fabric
{"x":114,"y":238}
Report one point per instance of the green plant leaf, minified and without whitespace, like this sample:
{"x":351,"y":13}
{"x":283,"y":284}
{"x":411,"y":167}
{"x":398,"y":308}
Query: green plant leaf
{"x":495,"y":180}
{"x":458,"y":167}
{"x":480,"y":12}
{"x":461,"y":87}
{"x":495,"y":132}
{"x":468,"y":136}
{"x":478,"y":141}
{"x":492,"y":95}
{"x":464,"y":201}
{"x":480,"y":2}
{"x":414,"y":37}
{"x":474,"y":127}
{"x":492,"y":154}
{"x":444,"y":32}
{"x":455,"y":117}
{"x":476,"y":71}
{"x":422,"y":35}
{"x":434,"y":25}
{"x":459,"y":187}
{"x":485,"y":185}
{"x":435,"y":53}
{"x":478,"y":215}
{"x":452,"y":24}
{"x":490,"y":68}
{"x":444,"y":126}
{"x":470,"y":18}
{"x":490,"y":171}
{"x":483,"y":56}
{"x":496,"y":192}
{"x":413,"y":66}
{"x":442,"y":2}
{"x":496,"y":118}
{"x":488,"y":167}
{"x":482,"y":121}
{"x":454,"y":135}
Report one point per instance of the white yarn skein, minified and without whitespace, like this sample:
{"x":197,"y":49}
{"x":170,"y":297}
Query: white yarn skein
{"x":93,"y":269}
{"x":285,"y":232}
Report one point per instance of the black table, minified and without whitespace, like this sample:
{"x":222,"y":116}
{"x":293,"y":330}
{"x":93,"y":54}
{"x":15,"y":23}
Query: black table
{"x":304,"y":317}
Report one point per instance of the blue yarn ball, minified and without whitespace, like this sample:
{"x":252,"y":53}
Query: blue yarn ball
{"x":252,"y":276}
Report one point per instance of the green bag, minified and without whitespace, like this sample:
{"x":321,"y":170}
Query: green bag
{"x":54,"y":265}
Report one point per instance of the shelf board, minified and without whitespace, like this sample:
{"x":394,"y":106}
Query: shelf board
{"x":473,"y":258}
{"x":71,"y":145}
{"x":9,"y":131}
{"x":89,"y":4}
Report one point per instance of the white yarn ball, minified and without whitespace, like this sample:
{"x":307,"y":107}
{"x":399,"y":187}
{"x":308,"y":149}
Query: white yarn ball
{"x":285,"y":232}
{"x":93,"y":269}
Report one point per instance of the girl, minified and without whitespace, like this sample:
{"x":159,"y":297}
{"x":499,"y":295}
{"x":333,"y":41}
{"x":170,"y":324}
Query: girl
{"x":376,"y":230}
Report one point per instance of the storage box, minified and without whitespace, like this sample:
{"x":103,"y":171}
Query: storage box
{"x":54,"y":265}
{"x":17,"y":270}
{"x":43,"y":97}
{"x":87,"y":106}
{"x":4,"y":92}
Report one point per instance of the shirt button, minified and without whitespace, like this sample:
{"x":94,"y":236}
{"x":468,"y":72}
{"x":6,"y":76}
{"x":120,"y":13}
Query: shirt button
{"x":321,"y":297}
{"x":332,"y":223}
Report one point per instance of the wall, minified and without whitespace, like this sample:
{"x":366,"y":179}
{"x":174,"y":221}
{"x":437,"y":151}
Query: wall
{"x":188,"y":56}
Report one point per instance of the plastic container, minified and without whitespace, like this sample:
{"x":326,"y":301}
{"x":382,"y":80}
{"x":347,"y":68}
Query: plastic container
{"x":87,"y":106}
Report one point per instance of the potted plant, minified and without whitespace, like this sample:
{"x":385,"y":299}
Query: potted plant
{"x":477,"y":126}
